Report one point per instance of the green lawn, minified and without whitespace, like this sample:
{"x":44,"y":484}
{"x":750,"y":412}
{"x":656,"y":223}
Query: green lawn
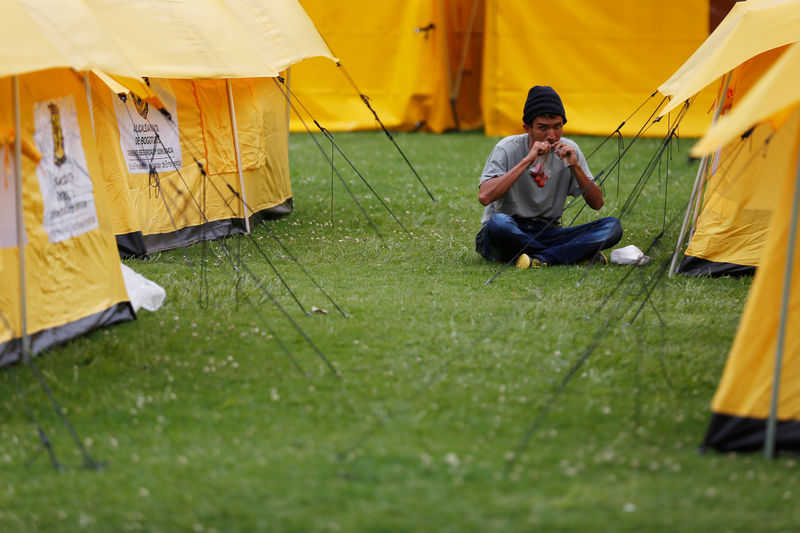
{"x":451,"y":412}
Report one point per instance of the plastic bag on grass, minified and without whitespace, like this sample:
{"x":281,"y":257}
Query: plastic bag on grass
{"x":629,"y":255}
{"x":142,"y":292}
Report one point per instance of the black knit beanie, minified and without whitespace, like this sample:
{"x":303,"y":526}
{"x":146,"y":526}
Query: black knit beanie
{"x":542,"y":100}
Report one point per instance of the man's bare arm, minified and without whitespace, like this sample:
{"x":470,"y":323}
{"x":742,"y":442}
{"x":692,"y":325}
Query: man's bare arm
{"x":492,"y":189}
{"x":589,"y":189}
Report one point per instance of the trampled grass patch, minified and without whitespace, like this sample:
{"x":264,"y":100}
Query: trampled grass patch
{"x":460,"y":406}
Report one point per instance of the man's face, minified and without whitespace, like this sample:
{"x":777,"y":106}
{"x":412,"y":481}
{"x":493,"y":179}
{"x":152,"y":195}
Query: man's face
{"x":545,"y":129}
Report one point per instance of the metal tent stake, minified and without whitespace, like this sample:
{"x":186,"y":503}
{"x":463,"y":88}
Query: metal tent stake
{"x":769,"y":443}
{"x":242,"y":199}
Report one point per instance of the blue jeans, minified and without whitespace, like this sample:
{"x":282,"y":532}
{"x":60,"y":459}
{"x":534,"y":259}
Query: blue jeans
{"x":503,"y":238}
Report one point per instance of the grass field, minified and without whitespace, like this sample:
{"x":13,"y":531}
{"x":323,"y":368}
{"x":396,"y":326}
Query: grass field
{"x":451,"y":411}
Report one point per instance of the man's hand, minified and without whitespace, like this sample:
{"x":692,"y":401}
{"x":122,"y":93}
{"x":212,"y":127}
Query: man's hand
{"x":566,"y":153}
{"x":538,"y":149}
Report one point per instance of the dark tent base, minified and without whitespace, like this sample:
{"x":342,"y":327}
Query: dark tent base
{"x":212,"y":230}
{"x":209,"y":231}
{"x":11,"y":351}
{"x":271,"y":213}
{"x":131,"y":245}
{"x":741,"y":434}
{"x":695,"y":267}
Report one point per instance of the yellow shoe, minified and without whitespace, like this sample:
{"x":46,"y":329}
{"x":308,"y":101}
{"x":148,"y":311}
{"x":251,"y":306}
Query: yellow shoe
{"x":523,"y":261}
{"x":599,"y":259}
{"x":526,"y":261}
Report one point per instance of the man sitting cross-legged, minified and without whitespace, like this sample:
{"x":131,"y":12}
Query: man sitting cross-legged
{"x":524,"y":186}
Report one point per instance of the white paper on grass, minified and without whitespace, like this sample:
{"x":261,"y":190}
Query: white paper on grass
{"x":142,"y":292}
{"x":629,"y":255}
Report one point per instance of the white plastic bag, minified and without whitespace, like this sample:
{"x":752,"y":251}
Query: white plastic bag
{"x":142,"y":292}
{"x":629,"y":255}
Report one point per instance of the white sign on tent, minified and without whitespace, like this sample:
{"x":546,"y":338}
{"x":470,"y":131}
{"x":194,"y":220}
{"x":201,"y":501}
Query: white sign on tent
{"x":148,"y":138}
{"x":64,"y":180}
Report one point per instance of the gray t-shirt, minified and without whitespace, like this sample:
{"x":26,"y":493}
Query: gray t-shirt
{"x":526,"y":199}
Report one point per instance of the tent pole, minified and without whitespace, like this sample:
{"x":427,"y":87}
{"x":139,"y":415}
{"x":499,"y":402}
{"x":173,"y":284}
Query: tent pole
{"x":673,"y":267}
{"x":443,"y":30}
{"x":87,"y":82}
{"x":288,"y":112}
{"x":288,"y":99}
{"x":769,"y":444}
{"x":456,"y":90}
{"x":693,"y":204}
{"x":26,"y":342}
{"x":238,"y":156}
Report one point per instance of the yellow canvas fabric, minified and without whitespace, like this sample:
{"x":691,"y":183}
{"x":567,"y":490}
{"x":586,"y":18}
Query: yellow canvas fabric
{"x":201,"y":132}
{"x":746,"y":384}
{"x":604,"y":58}
{"x":775,"y":91}
{"x":43,"y":34}
{"x":751,"y":28}
{"x":149,"y":208}
{"x":124,"y":217}
{"x":263,"y":143}
{"x":263,"y":139}
{"x":281,"y":30}
{"x":41,"y":40}
{"x":208,"y":38}
{"x":62,"y":277}
{"x":738,"y":201}
{"x":389,"y":54}
{"x":122,"y":84}
{"x":407,"y":56}
{"x":200,"y":39}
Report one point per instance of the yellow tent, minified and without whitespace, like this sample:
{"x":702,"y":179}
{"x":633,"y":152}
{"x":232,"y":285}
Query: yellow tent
{"x":773,"y":97}
{"x":731,"y":210}
{"x":68,"y":237}
{"x":193,"y":196}
{"x":749,"y":410}
{"x":732,"y":225}
{"x":55,"y":227}
{"x":210,"y":39}
{"x":192,"y":40}
{"x":34,"y":39}
{"x":482,"y":56}
{"x":749,"y":29}
{"x":406,"y":56}
{"x":603,"y":57}
{"x":221,"y":156}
